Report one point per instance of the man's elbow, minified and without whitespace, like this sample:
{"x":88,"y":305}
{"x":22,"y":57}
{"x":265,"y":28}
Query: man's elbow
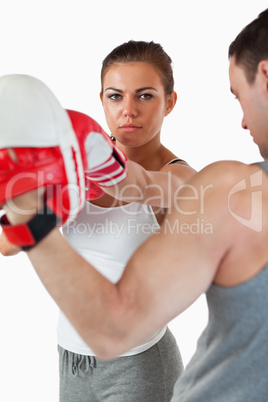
{"x":110,"y":347}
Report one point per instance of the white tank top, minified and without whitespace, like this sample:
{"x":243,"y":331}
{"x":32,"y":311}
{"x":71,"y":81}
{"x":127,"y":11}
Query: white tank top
{"x":107,"y":237}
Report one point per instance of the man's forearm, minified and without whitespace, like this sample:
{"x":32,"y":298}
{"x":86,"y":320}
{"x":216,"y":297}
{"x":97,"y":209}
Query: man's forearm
{"x":91,"y":302}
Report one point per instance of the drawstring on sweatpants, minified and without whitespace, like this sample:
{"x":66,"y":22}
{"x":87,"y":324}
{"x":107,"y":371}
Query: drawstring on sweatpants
{"x":82,"y":364}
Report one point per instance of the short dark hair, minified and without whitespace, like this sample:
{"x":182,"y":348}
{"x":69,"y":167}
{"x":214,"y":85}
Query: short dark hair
{"x":140,"y":51}
{"x":251,"y":46}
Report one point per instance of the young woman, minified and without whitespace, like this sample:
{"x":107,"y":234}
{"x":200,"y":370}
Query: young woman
{"x":137,"y":93}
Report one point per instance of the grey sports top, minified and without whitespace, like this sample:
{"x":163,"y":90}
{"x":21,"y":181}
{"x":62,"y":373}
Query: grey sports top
{"x":231,"y":360}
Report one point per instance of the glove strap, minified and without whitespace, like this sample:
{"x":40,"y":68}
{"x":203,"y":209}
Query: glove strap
{"x":28,"y":234}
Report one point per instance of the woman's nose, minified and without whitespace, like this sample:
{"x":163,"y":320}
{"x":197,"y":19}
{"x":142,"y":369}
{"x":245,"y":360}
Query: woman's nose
{"x":129,"y":108}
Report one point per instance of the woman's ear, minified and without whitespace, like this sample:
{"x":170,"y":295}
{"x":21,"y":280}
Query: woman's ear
{"x":101,"y":96}
{"x":171,"y":102}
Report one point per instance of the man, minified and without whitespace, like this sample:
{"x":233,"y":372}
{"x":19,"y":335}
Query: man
{"x":226,"y":258}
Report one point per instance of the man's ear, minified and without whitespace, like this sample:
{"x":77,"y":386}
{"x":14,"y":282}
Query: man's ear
{"x":263,"y":71}
{"x":171,"y":102}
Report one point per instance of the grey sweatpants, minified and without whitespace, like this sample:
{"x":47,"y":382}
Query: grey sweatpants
{"x":146,"y":377}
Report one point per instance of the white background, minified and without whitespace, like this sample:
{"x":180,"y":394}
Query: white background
{"x":63,"y":43}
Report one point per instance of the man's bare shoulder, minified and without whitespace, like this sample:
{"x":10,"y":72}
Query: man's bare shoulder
{"x":229,"y":176}
{"x":228,"y":200}
{"x":241,"y":194}
{"x":226,"y":170}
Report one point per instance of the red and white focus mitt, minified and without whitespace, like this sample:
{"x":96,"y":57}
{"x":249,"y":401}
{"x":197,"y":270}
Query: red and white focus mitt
{"x":38,"y":148}
{"x":105,"y":165}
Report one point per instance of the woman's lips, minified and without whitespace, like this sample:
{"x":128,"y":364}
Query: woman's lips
{"x":130,"y":128}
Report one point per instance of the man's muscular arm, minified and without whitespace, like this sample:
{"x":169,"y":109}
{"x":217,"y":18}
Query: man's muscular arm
{"x":165,"y":276}
{"x":156,"y":188}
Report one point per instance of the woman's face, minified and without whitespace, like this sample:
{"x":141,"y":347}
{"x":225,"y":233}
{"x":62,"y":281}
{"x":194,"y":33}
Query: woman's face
{"x":134,"y":102}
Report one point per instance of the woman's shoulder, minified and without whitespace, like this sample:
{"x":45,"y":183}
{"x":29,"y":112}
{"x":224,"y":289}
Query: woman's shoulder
{"x":174,"y":163}
{"x":168,"y":157}
{"x":174,"y":160}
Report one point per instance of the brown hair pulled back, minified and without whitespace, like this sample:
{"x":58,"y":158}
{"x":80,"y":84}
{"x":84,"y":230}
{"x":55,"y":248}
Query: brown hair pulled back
{"x":146,"y":52}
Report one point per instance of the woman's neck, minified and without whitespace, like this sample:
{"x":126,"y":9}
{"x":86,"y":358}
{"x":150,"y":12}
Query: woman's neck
{"x":145,"y":154}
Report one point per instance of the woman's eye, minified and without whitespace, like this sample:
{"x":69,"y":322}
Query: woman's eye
{"x":114,"y":96}
{"x":146,"y":96}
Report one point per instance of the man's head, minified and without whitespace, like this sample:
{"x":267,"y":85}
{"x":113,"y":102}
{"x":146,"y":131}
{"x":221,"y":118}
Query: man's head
{"x":249,"y":78}
{"x":251,"y":46}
